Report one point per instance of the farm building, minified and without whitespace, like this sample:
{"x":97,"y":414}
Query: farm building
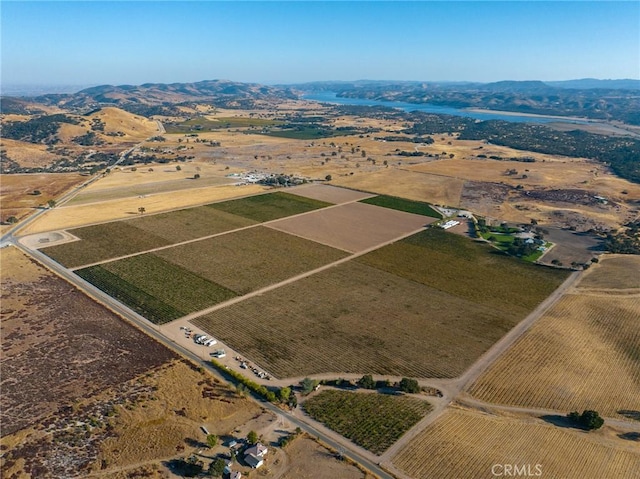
{"x":254,"y":456}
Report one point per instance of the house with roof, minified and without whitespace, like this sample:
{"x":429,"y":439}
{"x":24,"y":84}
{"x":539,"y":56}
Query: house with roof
{"x":254,"y":455}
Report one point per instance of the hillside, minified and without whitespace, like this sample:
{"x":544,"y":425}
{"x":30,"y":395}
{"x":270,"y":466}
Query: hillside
{"x":158,"y":98}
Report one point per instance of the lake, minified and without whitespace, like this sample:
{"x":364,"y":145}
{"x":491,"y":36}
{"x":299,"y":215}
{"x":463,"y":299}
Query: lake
{"x":331,"y":97}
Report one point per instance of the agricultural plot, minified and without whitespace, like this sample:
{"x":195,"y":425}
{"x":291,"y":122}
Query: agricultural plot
{"x":246,"y":260}
{"x":330,"y":194}
{"x":158,"y":290}
{"x":356,"y":319}
{"x":583,"y":354}
{"x":468,"y":444}
{"x":190,"y":223}
{"x":104,"y":241}
{"x":269,"y":206}
{"x":468,"y":270}
{"x":373,"y":421}
{"x":402,"y":204}
{"x":613,"y":272}
{"x":352,"y":227}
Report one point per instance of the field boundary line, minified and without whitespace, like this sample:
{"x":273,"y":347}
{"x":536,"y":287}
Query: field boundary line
{"x":203,"y":238}
{"x":293,"y":279}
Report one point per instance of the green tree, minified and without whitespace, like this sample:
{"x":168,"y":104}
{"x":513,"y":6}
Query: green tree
{"x":409,"y":386}
{"x":36,"y":193}
{"x":216,"y":468}
{"x":284,"y":394}
{"x":252,"y":437}
{"x":212,"y":440}
{"x":141,"y":210}
{"x":51,"y":203}
{"x":328,"y":178}
{"x":12,"y":219}
{"x":367,"y":382}
{"x":308,"y":385}
{"x":589,"y":419}
{"x":196,"y":176}
{"x":178,"y":168}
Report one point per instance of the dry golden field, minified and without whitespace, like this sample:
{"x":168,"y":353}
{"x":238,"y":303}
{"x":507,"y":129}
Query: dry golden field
{"x":467,"y":444}
{"x":16,"y":191}
{"x":582,"y":354}
{"x":28,"y":155}
{"x":614,"y":271}
{"x":73,"y":216}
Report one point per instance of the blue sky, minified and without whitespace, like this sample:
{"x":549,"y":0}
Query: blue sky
{"x":81,"y":43}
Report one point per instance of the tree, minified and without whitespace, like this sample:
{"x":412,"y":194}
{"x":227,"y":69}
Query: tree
{"x":409,"y":386}
{"x":367,"y":382}
{"x":178,"y":167}
{"x":196,"y":176}
{"x":12,"y":220}
{"x":51,"y":203}
{"x":212,"y":440}
{"x":284,"y":394}
{"x":141,"y":210}
{"x":308,"y":385}
{"x":589,"y":419}
{"x":216,"y":468}
{"x":36,"y":193}
{"x":252,"y":437}
{"x":328,"y":177}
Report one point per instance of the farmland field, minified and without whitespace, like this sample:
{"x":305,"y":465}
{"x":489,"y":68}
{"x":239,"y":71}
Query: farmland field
{"x":358,"y":320}
{"x":190,"y":223}
{"x":469,"y":270}
{"x":352,"y":227}
{"x":246,"y":260}
{"x":401,"y":204}
{"x":613,"y":272}
{"x":270,"y":206}
{"x":582,"y":354}
{"x":330,"y":194}
{"x":465,"y":444}
{"x":158,"y":290}
{"x":373,"y":421}
{"x":101,"y":242}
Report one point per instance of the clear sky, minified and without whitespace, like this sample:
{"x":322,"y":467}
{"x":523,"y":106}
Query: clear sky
{"x":81,"y":43}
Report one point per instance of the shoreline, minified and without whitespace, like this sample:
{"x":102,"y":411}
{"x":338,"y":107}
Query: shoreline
{"x":535,"y":115}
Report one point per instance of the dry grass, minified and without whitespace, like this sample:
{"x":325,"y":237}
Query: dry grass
{"x":184,"y":400}
{"x":406,"y":184}
{"x":467,"y":444}
{"x":28,"y":155}
{"x":134,"y":127}
{"x":583,"y":354}
{"x":74,"y":216}
{"x":309,"y":460}
{"x":613,"y":272}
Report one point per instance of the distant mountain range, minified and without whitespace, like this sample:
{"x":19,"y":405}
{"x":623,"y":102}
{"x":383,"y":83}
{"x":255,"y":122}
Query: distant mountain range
{"x":591,"y":98}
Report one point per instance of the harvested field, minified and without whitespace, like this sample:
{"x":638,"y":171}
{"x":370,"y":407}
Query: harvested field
{"x":330,"y":194}
{"x":583,"y":354}
{"x":81,"y":215}
{"x":613,"y":272}
{"x":371,"y":420}
{"x":270,"y":206}
{"x":467,"y":444}
{"x":413,"y":185}
{"x":468,"y":270}
{"x":59,"y":346}
{"x":156,"y":289}
{"x":190,"y":223}
{"x":101,"y":242}
{"x":356,"y":319}
{"x":352,"y":227}
{"x":246,"y":260}
{"x":309,"y":460}
{"x":402,"y":204}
